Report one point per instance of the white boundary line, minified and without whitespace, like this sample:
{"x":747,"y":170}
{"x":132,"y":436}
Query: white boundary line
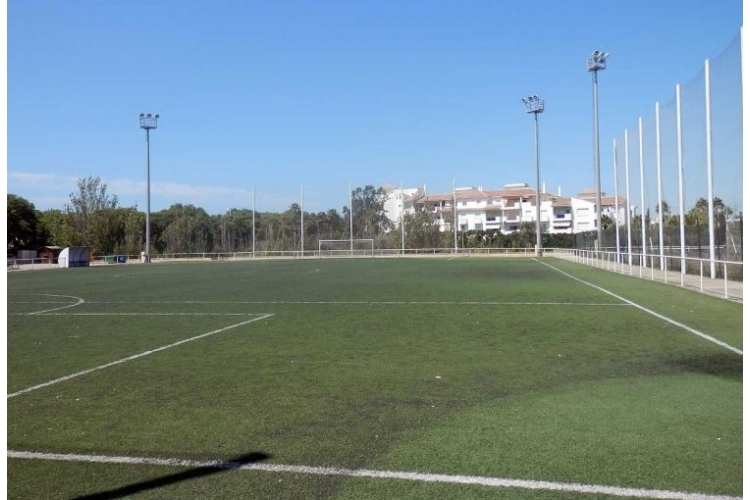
{"x":132,"y":314}
{"x":135,"y":356}
{"x":649,"y":311}
{"x":368,"y":302}
{"x":379,"y":474}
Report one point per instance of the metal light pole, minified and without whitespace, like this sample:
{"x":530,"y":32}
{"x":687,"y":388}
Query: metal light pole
{"x":148,"y":122}
{"x":595,"y":63}
{"x":535,"y":104}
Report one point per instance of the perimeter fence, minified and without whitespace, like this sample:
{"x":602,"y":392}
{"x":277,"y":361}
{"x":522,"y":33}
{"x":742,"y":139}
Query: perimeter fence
{"x":679,"y":175}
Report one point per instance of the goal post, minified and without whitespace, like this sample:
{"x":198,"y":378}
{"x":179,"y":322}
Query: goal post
{"x":346,"y":248}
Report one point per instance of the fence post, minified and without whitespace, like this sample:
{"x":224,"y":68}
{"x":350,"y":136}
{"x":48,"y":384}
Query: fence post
{"x":643,"y":191}
{"x":710,"y":175}
{"x":678,"y":97}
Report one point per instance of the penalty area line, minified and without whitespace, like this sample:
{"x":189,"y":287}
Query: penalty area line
{"x":136,"y":356}
{"x":379,"y":474}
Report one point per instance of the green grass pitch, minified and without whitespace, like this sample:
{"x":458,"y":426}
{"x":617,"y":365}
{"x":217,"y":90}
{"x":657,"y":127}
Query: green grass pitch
{"x":500,"y":368}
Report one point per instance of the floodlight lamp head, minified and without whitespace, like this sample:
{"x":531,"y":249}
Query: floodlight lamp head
{"x":597,"y":61}
{"x":148,"y":121}
{"x":534,"y":104}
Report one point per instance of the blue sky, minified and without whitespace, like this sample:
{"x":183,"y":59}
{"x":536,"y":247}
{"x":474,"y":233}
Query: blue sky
{"x":279,"y":94}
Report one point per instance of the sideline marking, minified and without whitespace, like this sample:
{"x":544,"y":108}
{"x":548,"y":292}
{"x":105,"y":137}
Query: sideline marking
{"x":649,"y":311}
{"x":135,"y":356}
{"x":379,"y":474}
{"x":370,"y":302}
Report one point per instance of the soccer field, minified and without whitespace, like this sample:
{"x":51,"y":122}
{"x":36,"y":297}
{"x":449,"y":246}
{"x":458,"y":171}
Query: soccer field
{"x":370,"y":378}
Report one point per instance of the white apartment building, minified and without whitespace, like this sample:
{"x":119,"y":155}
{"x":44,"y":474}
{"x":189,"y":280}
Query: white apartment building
{"x":506,"y":208}
{"x":395,"y":201}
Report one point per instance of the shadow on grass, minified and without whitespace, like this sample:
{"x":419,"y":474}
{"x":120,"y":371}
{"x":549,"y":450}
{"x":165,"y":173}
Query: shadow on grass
{"x":160,"y":482}
{"x":727,"y":365}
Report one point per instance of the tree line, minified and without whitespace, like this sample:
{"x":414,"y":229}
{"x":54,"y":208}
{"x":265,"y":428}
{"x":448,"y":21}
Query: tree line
{"x":93,"y":217}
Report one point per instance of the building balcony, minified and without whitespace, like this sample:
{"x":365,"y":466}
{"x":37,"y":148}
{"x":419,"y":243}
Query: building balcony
{"x":563,"y":217}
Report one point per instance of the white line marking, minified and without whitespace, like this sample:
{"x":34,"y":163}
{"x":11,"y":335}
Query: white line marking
{"x":135,"y":356}
{"x":78,"y":303}
{"x":649,"y":311}
{"x":36,"y":302}
{"x":369,"y":302}
{"x":380,"y":474}
{"x":132,"y":314}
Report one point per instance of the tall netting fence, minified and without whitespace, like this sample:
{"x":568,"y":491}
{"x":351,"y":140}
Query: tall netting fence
{"x":679,"y":173}
{"x":726,"y":131}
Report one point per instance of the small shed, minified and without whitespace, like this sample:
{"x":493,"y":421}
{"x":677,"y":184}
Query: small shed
{"x":49,"y":254}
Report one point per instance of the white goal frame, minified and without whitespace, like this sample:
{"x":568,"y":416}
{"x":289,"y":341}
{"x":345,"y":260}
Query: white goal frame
{"x":347,"y":248}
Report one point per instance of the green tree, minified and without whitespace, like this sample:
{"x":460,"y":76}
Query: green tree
{"x":23,"y":224}
{"x":85,"y":209}
{"x":526,"y":235}
{"x":666,"y":210}
{"x":58,"y":226}
{"x":182,"y":229}
{"x":134,"y":230}
{"x":420,"y":228}
{"x":368,"y":208}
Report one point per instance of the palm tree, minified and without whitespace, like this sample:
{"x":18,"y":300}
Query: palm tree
{"x":697,"y":219}
{"x":666,"y":211}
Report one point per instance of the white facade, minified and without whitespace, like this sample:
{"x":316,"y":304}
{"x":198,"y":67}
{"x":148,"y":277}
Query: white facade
{"x":505,"y":209}
{"x":395,"y":201}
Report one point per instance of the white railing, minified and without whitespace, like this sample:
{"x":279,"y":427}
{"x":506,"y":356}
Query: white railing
{"x":24,"y":264}
{"x":687,"y":272}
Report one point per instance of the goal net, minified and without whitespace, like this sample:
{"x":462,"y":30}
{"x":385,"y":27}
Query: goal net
{"x":346,"y":248}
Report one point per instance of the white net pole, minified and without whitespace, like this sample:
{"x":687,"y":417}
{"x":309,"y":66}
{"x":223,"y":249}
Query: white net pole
{"x":680,"y":179}
{"x":643,"y":192}
{"x":627,"y":200}
{"x":660,"y":204}
{"x":617,"y":202}
{"x":710,"y":175}
{"x":351,"y":220}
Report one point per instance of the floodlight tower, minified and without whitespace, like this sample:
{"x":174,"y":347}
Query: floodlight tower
{"x":148,"y":122}
{"x":594,"y":64}
{"x":535,"y":104}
